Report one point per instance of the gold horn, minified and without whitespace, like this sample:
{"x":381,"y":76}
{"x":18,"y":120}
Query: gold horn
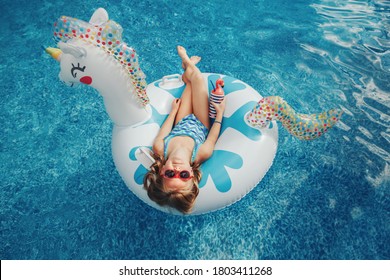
{"x":55,"y":53}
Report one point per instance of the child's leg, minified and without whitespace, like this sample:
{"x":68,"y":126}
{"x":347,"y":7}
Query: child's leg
{"x":185,"y":108}
{"x":200,"y":98}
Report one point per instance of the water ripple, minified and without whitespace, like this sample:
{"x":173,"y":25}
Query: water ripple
{"x":356,"y":45}
{"x":374,"y":149}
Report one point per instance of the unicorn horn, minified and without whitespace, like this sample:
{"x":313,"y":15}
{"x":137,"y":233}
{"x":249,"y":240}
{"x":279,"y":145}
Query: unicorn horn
{"x":304,"y":127}
{"x":55,"y":53}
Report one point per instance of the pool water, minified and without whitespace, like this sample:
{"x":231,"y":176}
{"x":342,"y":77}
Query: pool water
{"x":61,"y":197}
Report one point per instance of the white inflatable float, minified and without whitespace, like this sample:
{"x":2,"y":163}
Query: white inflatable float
{"x":94,"y":54}
{"x":235,"y":166}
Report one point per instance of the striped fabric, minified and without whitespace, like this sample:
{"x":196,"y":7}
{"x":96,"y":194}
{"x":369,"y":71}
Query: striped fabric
{"x":189,"y":126}
{"x":217,"y":98}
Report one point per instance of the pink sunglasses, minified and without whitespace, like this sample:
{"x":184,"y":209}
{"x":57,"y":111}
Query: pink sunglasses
{"x":184,"y":175}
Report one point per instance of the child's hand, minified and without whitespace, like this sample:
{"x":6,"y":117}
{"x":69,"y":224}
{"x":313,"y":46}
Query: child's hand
{"x":175,"y":105}
{"x":220,"y":107}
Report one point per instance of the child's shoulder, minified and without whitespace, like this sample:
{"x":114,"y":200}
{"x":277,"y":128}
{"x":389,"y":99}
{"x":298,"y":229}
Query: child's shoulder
{"x":158,"y":147}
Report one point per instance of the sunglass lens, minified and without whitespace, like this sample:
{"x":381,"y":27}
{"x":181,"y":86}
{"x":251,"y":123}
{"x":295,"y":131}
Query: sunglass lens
{"x":184,"y":174}
{"x":170,"y":173}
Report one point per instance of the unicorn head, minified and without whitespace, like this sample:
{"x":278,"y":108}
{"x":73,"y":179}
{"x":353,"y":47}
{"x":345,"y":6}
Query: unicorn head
{"x":94,"y":54}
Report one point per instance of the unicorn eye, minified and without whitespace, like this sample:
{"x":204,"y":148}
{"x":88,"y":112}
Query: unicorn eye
{"x":76,"y":68}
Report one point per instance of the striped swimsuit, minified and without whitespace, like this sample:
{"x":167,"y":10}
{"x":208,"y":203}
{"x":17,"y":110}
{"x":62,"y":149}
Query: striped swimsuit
{"x":188,"y":126}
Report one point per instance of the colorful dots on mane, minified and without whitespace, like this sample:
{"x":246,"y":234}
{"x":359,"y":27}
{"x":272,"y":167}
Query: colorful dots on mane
{"x":109,"y":39}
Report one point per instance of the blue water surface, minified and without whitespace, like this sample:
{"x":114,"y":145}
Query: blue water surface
{"x":61,"y":197}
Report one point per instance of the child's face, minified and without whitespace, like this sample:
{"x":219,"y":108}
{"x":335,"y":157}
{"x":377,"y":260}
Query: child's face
{"x":177,"y":183}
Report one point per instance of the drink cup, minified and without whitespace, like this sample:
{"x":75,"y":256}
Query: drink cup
{"x":216,"y":98}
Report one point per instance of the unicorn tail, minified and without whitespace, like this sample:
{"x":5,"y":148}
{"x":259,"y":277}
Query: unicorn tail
{"x":304,"y":127}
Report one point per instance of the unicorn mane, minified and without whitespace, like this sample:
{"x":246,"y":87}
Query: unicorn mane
{"x":108,"y":37}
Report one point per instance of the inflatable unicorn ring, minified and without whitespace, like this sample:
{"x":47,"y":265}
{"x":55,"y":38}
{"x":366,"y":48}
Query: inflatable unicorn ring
{"x":93,"y":53}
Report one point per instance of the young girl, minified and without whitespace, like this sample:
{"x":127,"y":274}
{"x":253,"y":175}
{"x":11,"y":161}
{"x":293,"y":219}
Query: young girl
{"x":184,"y":141}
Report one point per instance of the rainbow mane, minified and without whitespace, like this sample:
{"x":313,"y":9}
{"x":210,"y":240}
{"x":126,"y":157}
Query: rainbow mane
{"x":108,"y":37}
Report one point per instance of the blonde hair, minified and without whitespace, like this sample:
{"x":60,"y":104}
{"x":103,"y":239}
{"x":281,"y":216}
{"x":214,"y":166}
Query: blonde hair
{"x":182,"y":200}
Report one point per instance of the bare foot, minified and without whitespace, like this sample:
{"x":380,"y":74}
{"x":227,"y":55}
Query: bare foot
{"x":184,"y":56}
{"x":194,"y":59}
{"x":182,"y":53}
{"x":187,"y":63}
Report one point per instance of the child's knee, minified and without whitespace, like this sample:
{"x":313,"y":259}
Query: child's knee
{"x":196,"y":76}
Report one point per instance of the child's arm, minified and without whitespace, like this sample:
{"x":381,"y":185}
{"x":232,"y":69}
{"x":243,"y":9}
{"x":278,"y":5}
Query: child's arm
{"x":207,"y":148}
{"x":158,"y":145}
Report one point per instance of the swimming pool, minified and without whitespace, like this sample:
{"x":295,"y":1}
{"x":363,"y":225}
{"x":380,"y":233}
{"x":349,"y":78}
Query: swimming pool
{"x":61,"y":197}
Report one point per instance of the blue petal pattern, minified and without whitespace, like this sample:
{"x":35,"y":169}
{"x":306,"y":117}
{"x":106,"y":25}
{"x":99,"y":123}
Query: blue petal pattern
{"x":156,"y":117}
{"x":141,"y":170}
{"x":213,"y":167}
{"x":237,"y":122}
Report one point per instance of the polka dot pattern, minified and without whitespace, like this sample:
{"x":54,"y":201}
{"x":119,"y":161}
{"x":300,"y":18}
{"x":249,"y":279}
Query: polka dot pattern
{"x":108,"y":37}
{"x":304,"y":127}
